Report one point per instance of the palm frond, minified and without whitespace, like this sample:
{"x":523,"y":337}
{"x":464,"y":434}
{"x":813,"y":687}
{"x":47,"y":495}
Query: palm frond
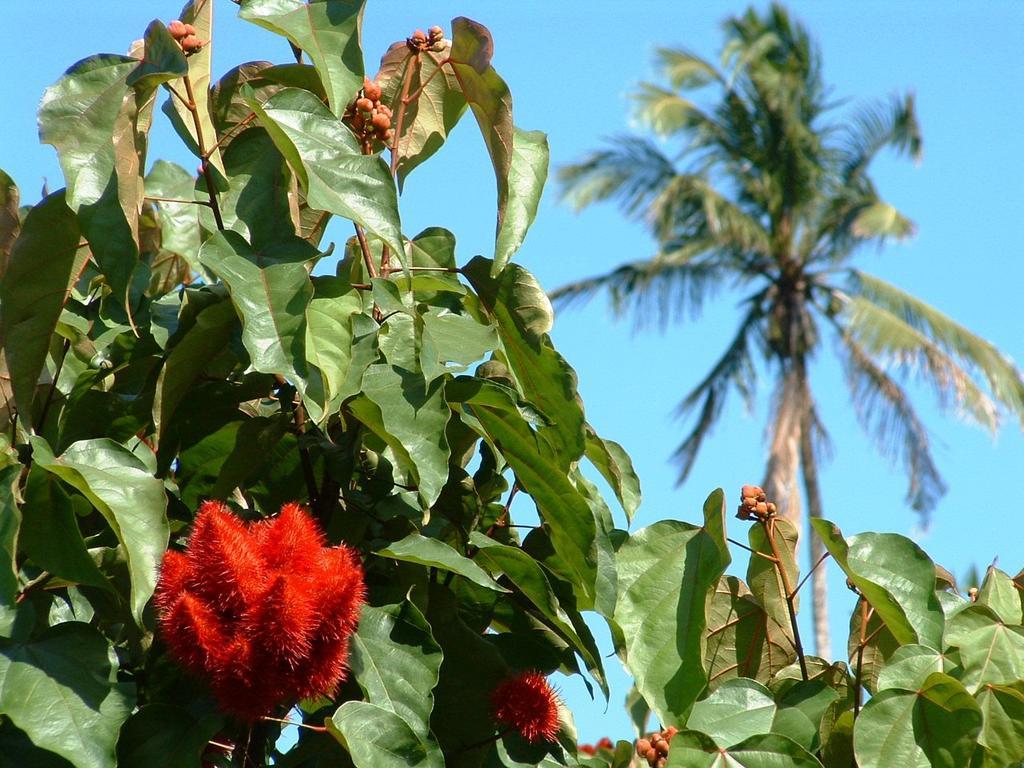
{"x":879,"y":220}
{"x":660,"y":290}
{"x":888,"y":336}
{"x":1004,"y":379}
{"x":668,"y":113}
{"x":892,"y":123}
{"x":685,"y":69}
{"x":735,"y":368}
{"x":884,"y":411}
{"x":632,"y":170}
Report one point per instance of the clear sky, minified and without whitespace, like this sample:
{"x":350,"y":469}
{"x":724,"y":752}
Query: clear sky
{"x":571,"y":67}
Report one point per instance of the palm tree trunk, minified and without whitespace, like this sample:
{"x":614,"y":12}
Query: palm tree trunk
{"x":819,"y":593}
{"x":780,"y":482}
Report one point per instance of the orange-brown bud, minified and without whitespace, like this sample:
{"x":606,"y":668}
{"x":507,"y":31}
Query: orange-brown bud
{"x":371,"y":90}
{"x":177,"y":29}
{"x":381,"y":122}
{"x":642,"y":745}
{"x":190,"y":30}
{"x":191,"y":44}
{"x":435,"y":33}
{"x":419,"y":36}
{"x":364,"y":104}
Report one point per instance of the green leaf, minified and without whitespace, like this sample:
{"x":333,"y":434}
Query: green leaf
{"x":414,"y":413}
{"x":802,"y":707}
{"x":189,"y":358}
{"x":934,"y":727}
{"x":326,"y":158}
{"x":329,"y":335}
{"x":88,"y":115}
{"x":10,"y":222}
{"x":666,"y":573}
{"x":562,"y":507}
{"x":434,"y":553}
{"x":879,"y":646}
{"x":10,"y":523}
{"x":908,"y":667}
{"x":896,"y":577}
{"x":991,"y":652}
{"x":737,"y":710}
{"x":615,"y":466}
{"x":328,"y":31}
{"x":526,"y":177}
{"x":199,"y":13}
{"x":431,"y":116}
{"x":124,"y":491}
{"x":522,"y":313}
{"x":50,"y":535}
{"x":766,"y":583}
{"x":376,"y":737}
{"x":451,"y":341}
{"x":39,"y":275}
{"x":837,"y":736}
{"x":254,"y":443}
{"x":61,"y":690}
{"x":162,"y":60}
{"x":396,"y":662}
{"x":488,"y":97}
{"x":164,"y":736}
{"x":271,"y":290}
{"x":179,"y":222}
{"x":1002,"y":732}
{"x":999,"y":593}
{"x":693,"y":749}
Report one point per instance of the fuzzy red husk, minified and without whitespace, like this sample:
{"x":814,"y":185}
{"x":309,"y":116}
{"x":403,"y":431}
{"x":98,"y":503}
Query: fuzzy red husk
{"x":529,"y":705}
{"x":262,"y":612}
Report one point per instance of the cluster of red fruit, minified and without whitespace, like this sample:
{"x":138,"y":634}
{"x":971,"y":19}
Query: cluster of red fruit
{"x":431,"y":40}
{"x":262,"y":611}
{"x":754,"y":505}
{"x":604,"y":744}
{"x":186,"y":36}
{"x":654,"y":749}
{"x":368,"y":117}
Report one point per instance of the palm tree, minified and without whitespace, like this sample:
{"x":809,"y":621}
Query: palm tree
{"x":770,"y":193}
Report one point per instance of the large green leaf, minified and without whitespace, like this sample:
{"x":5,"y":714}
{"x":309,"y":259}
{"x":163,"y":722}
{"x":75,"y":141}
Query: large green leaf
{"x":88,"y":116}
{"x":414,"y":413}
{"x":39,"y":275}
{"x":179,"y":222}
{"x":61,"y":690}
{"x":10,"y":222}
{"x":162,"y":60}
{"x":522,"y":313}
{"x":998,"y":592}
{"x":376,"y":737}
{"x":935,"y":726}
{"x":132,"y":501}
{"x":742,"y":640}
{"x":396,"y":662}
{"x":10,"y":524}
{"x":616,"y":468}
{"x":737,"y":710}
{"x":693,"y":749}
{"x":803,"y":705}
{"x":666,"y":573}
{"x":199,"y":13}
{"x":766,"y":583}
{"x":432,"y":115}
{"x":488,"y":97}
{"x":569,"y":519}
{"x":329,"y":335}
{"x":328,"y":31}
{"x":1002,"y":732}
{"x":188,"y":359}
{"x":908,"y":667}
{"x":271,"y":290}
{"x":434,"y":553}
{"x":896,"y":577}
{"x":50,"y":535}
{"x":991,"y":651}
{"x":326,"y":158}
{"x":165,"y":736}
{"x":526,"y":177}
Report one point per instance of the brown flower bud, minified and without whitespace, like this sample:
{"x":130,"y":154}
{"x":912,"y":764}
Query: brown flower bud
{"x":190,"y":30}
{"x":761,"y":509}
{"x":743,"y":513}
{"x":419,"y":37}
{"x":642,"y":745}
{"x":771,"y":509}
{"x":177,"y":29}
{"x":389,"y":136}
{"x":191,"y":44}
{"x":381,"y":122}
{"x":671,"y":731}
{"x":371,"y":90}
{"x":750,"y":491}
{"x":436,"y":33}
{"x":384,"y":109}
{"x":364,"y":104}
{"x":661,"y":762}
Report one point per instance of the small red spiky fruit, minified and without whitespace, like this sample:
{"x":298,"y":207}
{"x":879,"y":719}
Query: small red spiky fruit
{"x":263,"y":612}
{"x":528,"y":704}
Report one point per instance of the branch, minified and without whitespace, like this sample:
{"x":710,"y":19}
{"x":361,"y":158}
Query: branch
{"x":205,"y":165}
{"x":769,"y":529}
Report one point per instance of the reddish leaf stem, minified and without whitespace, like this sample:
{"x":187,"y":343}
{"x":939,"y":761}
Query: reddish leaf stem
{"x":211,"y":188}
{"x":769,"y":529}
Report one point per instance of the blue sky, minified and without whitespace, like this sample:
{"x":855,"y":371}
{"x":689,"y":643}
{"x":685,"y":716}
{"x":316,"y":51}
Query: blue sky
{"x":571,"y":67}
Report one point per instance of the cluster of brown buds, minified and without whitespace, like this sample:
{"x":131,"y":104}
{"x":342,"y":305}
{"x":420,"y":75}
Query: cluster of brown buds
{"x":186,"y":37}
{"x":754,"y":505}
{"x":368,"y":117}
{"x":431,"y":40}
{"x":654,"y":749}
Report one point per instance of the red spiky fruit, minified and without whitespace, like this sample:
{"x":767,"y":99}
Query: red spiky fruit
{"x":528,"y":704}
{"x":263,"y":612}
